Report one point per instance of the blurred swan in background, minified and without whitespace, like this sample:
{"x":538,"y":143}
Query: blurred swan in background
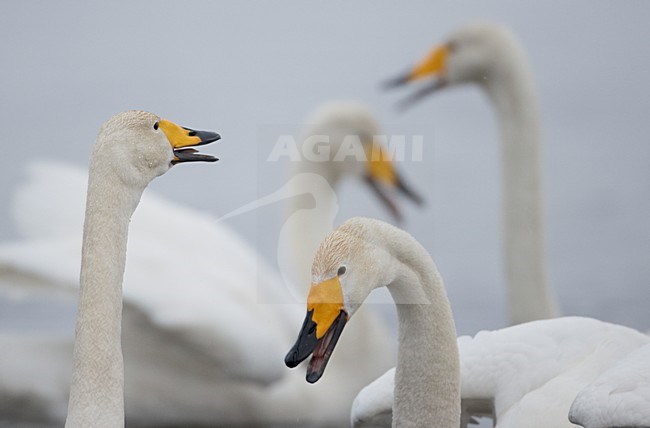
{"x":191,"y":336}
{"x":529,"y":374}
{"x":351,"y":132}
{"x":349,"y":126}
{"x":365,"y":254}
{"x":192,"y":329}
{"x":490,"y":56}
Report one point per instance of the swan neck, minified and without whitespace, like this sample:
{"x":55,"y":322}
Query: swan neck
{"x":514,"y":98}
{"x":309,"y":218}
{"x":427,"y":376}
{"x":96,"y":394}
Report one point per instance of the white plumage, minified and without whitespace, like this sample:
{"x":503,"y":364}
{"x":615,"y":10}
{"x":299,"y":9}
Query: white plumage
{"x":376,"y":255}
{"x":619,"y":397}
{"x":491,"y":57}
{"x":526,"y":375}
{"x":202,"y":308}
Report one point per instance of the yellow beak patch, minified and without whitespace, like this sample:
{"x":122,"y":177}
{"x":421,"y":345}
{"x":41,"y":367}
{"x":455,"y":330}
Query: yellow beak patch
{"x":326,"y":300}
{"x":433,"y":64}
{"x":178,"y":136}
{"x":380,"y":166}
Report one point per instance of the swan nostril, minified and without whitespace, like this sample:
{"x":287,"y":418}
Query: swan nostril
{"x":192,"y":134}
{"x":312,"y":328}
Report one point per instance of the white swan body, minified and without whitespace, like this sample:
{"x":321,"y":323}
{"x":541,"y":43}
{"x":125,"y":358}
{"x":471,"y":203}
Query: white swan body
{"x":155,"y":293}
{"x":34,"y":378}
{"x":359,"y":256}
{"x":525,"y":375}
{"x":220,"y":378}
{"x":132,"y":149}
{"x":220,"y":288}
{"x":491,"y":57}
{"x":619,"y":397}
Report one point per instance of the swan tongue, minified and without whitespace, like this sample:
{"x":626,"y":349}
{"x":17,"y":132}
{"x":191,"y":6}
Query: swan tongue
{"x":324,"y":348}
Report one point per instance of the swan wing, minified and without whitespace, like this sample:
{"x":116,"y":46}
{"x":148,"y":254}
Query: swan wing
{"x":186,"y":273}
{"x":34,"y":377}
{"x":533,"y":371}
{"x":618,"y":397}
{"x":529,"y":374}
{"x":373,"y":406}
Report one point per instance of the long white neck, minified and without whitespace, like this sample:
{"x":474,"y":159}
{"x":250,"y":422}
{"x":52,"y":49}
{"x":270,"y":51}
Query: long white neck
{"x":427,"y":376}
{"x":513,"y":94}
{"x":309,"y":218}
{"x":96,"y":394}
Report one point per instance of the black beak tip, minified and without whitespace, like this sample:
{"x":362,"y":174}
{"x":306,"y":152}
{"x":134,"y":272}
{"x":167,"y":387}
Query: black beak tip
{"x":312,"y":377}
{"x":305,"y":343}
{"x":210,"y":137}
{"x":206,"y":137}
{"x":403,"y":106}
{"x":292,"y":360}
{"x":396,"y":82}
{"x":409,"y":193}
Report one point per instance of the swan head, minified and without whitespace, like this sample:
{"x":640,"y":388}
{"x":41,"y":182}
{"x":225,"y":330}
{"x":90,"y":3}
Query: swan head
{"x":480,"y":53}
{"x":140,"y":146}
{"x":344,"y":140}
{"x":348,"y":265}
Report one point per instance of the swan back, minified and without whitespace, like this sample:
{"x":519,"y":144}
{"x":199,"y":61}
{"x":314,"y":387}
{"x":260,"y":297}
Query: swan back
{"x":532,"y":372}
{"x":620,"y":397}
{"x":197,"y":303}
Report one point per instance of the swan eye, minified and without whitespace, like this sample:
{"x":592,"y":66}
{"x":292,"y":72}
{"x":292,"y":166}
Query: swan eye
{"x":341,"y":271}
{"x":155,"y":126}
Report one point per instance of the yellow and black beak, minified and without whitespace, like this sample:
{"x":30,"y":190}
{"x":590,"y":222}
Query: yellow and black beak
{"x":323,"y":325}
{"x":381,"y":174}
{"x":183,"y":140}
{"x":434,"y":65}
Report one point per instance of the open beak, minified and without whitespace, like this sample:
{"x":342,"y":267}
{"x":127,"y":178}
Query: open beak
{"x":183,"y":140}
{"x":434,"y":64}
{"x":326,"y":317}
{"x":382,"y":177}
{"x":308,"y":344}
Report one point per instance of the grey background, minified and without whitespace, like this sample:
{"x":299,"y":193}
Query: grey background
{"x":238,"y":67}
